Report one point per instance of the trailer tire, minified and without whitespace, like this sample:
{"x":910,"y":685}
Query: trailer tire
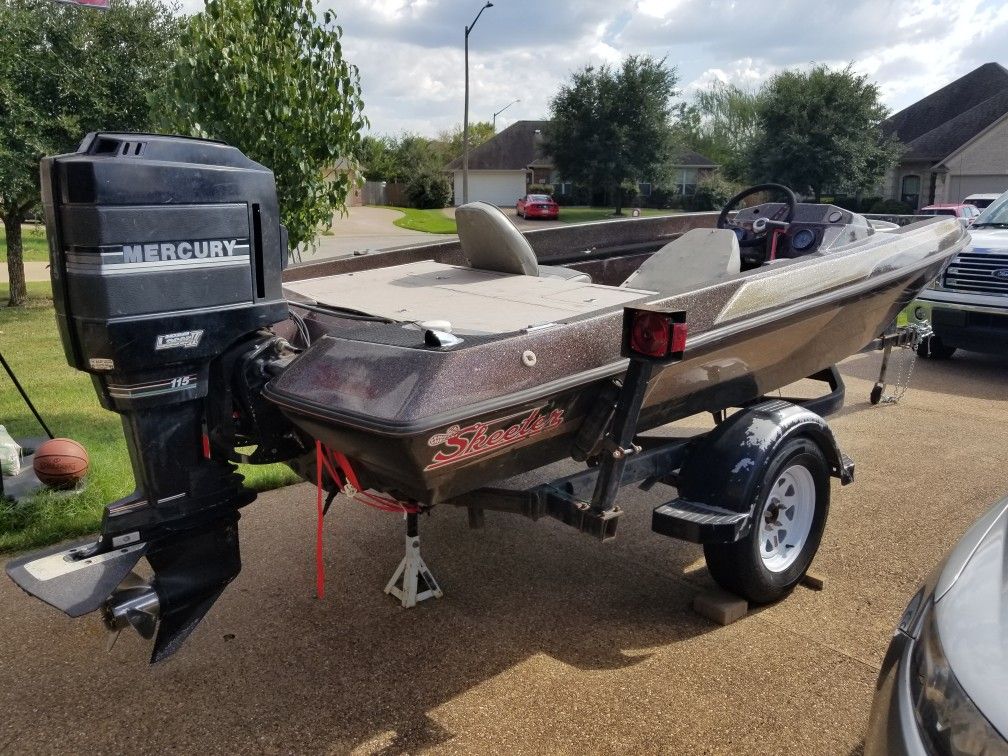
{"x":796,"y":483}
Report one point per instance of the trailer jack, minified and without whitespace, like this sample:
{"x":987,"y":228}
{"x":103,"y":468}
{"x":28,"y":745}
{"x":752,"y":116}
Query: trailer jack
{"x":412,"y":581}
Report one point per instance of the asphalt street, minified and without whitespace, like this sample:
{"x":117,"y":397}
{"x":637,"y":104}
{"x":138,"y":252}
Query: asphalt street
{"x":546,"y":641}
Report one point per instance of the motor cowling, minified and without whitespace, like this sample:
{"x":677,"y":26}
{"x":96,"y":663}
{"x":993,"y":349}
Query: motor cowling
{"x":166,"y":255}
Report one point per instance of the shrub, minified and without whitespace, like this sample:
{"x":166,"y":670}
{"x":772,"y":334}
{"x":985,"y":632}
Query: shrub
{"x":629,"y":191}
{"x":891,"y":207}
{"x":540,"y":189}
{"x":579,"y":195}
{"x":851,"y":202}
{"x":712,"y":193}
{"x":427,"y":190}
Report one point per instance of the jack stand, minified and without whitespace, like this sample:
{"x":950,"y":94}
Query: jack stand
{"x":412,"y":570}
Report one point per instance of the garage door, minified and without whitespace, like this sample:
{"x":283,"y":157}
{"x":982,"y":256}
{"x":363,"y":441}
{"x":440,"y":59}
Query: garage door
{"x":496,"y":187}
{"x":963,"y":186}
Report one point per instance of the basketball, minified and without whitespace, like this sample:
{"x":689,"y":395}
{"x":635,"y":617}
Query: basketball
{"x":60,"y":463}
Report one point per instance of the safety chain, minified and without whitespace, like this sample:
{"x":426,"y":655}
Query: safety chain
{"x":908,"y":360}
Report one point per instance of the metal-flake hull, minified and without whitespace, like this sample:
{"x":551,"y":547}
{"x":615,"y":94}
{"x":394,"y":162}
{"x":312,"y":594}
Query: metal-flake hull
{"x":430,"y":425}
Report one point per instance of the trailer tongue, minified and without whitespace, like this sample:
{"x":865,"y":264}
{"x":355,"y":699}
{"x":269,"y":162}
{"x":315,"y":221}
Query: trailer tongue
{"x":167,"y":255}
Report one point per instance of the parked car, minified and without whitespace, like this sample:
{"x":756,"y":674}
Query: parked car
{"x":943,"y":684}
{"x":537,"y":206}
{"x":964,"y":212}
{"x":981,"y":201}
{"x":967,"y":304}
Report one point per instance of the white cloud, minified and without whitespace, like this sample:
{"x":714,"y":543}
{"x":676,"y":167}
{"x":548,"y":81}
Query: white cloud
{"x":409,"y":52}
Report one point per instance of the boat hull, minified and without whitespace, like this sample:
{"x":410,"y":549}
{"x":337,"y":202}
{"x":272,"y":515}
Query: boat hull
{"x":734,"y":355}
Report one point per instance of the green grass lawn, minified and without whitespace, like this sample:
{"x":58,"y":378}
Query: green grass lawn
{"x":429,"y":221}
{"x":436,"y":222}
{"x":35,"y":248}
{"x":66,"y":400}
{"x":585,"y":214}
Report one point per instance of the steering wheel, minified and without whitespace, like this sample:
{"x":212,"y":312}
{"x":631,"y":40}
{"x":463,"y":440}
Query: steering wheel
{"x":754,"y":232}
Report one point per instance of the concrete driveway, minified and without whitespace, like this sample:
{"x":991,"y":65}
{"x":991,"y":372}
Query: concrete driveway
{"x":372,"y":228}
{"x":546,"y":641}
{"x":368,"y":228}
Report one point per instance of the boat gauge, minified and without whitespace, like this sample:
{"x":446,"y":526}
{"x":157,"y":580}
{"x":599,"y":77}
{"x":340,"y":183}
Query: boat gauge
{"x":802,"y":240}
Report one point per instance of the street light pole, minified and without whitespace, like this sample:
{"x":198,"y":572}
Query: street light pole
{"x":501,"y":111}
{"x":465,"y":117}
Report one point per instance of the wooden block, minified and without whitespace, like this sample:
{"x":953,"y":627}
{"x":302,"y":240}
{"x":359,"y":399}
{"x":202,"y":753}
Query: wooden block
{"x":813,"y":580}
{"x":720,"y":606}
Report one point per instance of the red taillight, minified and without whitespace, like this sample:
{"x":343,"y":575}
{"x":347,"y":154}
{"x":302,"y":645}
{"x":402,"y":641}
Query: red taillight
{"x":650,"y":334}
{"x":678,"y":338}
{"x":653,"y":334}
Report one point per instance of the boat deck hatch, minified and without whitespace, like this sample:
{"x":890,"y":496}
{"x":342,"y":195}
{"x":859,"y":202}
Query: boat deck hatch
{"x":473,"y":301}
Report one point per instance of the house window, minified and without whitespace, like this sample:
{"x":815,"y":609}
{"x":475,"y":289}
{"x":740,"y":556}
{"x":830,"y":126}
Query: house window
{"x":644,"y":188}
{"x":564,"y":188}
{"x":686,"y":181}
{"x":910,"y":190}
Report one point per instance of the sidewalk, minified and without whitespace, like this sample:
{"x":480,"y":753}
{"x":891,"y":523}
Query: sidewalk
{"x":34,"y":271}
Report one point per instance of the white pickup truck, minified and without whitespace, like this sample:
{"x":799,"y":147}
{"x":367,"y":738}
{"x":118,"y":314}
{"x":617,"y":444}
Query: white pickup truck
{"x":967,"y":304}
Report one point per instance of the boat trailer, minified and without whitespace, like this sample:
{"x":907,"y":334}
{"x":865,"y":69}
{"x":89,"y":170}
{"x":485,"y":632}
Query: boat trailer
{"x":721,"y":475}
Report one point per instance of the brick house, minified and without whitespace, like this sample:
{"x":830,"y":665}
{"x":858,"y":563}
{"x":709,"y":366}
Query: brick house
{"x":956,"y":141}
{"x":501,"y":169}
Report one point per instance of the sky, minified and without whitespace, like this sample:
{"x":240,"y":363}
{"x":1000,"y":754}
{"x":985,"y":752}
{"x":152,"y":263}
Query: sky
{"x":410,"y":52}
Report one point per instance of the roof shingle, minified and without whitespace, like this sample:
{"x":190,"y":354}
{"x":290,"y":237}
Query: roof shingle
{"x":955,"y":99}
{"x":513,"y":149}
{"x":942,"y":141}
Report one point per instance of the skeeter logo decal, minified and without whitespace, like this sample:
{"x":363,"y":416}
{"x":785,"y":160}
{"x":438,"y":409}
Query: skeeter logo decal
{"x":473,"y":440}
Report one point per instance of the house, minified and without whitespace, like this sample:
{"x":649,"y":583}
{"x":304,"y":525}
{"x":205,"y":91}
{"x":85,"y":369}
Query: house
{"x":502,"y":168}
{"x":956,"y":141}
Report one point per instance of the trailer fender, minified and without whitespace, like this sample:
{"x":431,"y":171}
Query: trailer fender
{"x":726,"y":466}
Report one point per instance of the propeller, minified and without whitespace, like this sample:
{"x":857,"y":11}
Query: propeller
{"x":134,"y":603}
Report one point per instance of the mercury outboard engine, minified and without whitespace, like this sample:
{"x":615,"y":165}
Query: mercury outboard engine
{"x":167,"y":256}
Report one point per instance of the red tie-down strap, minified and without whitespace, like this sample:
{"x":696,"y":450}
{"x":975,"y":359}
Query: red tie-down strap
{"x":347,"y":484}
{"x":775,"y":236}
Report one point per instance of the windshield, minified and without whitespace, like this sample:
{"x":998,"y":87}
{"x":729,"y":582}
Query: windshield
{"x":939,"y":211}
{"x":996,"y":213}
{"x":539,"y":198}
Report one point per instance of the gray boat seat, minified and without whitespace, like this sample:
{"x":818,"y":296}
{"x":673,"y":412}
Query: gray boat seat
{"x":698,"y":258}
{"x":491,"y":242}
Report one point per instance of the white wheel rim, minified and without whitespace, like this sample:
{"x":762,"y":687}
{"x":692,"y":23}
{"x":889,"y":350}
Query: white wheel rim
{"x":785,"y":520}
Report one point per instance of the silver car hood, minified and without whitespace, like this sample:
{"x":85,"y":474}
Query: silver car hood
{"x":971,"y":612}
{"x":989,"y":239}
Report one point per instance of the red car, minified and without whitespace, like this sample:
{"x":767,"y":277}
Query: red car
{"x":966,"y":213}
{"x":537,"y":206}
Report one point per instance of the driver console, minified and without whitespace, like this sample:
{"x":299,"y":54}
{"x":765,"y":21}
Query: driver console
{"x":814,"y":228}
{"x":779,"y":230}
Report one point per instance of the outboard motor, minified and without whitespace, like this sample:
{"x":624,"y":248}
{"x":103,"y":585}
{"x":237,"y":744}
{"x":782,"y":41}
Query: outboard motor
{"x":167,"y":256}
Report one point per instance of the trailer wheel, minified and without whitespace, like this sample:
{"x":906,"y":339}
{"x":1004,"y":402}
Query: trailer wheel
{"x":790,"y":510}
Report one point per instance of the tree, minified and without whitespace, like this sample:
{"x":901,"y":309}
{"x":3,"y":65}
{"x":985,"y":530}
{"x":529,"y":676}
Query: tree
{"x":65,"y":71}
{"x":612,"y":125}
{"x":722,"y":123}
{"x":377,"y":157}
{"x":450,"y":141}
{"x":395,"y":159}
{"x":269,"y":77}
{"x":819,"y":129}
